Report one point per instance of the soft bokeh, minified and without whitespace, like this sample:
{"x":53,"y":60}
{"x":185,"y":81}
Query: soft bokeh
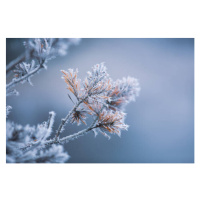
{"x":161,"y":120}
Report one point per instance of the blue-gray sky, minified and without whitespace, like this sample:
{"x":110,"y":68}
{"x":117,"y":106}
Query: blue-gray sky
{"x":162,"y":118}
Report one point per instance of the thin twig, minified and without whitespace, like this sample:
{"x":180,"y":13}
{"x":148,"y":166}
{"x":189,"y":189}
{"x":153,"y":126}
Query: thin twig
{"x":64,"y":139}
{"x":75,"y":135}
{"x":64,"y":120}
{"x":14,"y":62}
{"x":50,"y":120}
{"x":15,"y":81}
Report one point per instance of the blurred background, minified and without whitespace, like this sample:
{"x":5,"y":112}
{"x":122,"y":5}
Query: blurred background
{"x":161,"y":120}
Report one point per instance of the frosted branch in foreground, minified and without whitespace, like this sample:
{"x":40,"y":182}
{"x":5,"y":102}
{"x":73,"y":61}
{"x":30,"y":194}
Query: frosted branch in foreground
{"x":97,"y":96}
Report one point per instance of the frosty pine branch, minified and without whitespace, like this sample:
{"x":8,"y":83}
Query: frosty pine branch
{"x":38,"y":51}
{"x":18,"y":80}
{"x":97,"y":96}
{"x":108,"y":121}
{"x":15,"y":62}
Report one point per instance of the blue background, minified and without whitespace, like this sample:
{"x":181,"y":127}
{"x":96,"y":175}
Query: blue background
{"x":161,"y":120}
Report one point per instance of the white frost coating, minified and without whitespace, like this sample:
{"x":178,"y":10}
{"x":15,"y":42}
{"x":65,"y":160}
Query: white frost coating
{"x":97,"y":95}
{"x":8,"y":109}
{"x":40,"y":50}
